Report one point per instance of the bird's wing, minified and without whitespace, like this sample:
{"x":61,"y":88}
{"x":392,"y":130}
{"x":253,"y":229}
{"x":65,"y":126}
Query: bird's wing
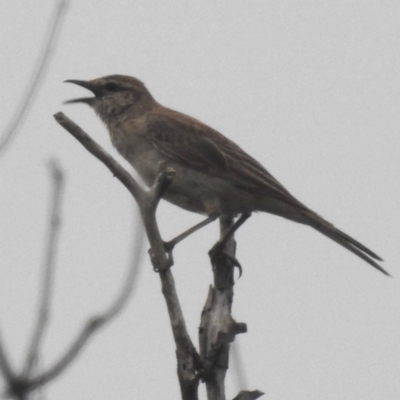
{"x":196,"y":145}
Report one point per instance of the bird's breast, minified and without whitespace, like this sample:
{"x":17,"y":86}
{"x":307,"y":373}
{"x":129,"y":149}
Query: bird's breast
{"x":138,"y":152}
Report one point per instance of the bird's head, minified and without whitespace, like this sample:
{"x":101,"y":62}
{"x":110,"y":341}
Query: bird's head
{"x":115,"y":96}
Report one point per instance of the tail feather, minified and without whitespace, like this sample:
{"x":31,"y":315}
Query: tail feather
{"x":347,"y":242}
{"x":359,"y":245}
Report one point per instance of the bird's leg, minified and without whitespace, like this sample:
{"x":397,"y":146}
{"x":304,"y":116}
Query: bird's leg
{"x":169,"y":246}
{"x":241,"y":220}
{"x":219,"y":247}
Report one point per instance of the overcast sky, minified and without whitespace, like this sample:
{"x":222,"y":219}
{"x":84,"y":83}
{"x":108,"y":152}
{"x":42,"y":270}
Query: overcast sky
{"x":311,"y":89}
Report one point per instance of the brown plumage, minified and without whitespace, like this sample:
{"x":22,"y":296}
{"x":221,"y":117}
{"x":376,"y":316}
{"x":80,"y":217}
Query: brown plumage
{"x":214,"y":176}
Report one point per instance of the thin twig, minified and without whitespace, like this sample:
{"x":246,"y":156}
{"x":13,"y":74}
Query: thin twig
{"x":46,"y":291}
{"x":100,"y":321}
{"x":49,"y":42}
{"x":5,"y":364}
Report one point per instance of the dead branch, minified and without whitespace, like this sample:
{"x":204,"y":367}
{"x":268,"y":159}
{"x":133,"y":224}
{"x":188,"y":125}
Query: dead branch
{"x":99,"y":321}
{"x":19,"y":385}
{"x":217,"y":328}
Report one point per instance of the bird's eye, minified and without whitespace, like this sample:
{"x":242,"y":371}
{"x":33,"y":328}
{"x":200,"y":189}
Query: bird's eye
{"x":111,"y":87}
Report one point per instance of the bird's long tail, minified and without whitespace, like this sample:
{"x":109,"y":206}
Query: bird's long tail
{"x":346,"y":241}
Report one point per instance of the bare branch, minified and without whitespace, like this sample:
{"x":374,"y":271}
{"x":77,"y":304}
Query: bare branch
{"x":46,"y":291}
{"x":187,"y":357}
{"x":101,"y":320}
{"x":38,"y":74}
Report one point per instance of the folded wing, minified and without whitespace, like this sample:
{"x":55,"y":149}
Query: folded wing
{"x":196,"y":145}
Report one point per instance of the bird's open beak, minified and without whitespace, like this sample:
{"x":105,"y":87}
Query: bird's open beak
{"x":87,"y":85}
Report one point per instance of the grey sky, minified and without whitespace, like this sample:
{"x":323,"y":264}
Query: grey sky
{"x":311,"y":90}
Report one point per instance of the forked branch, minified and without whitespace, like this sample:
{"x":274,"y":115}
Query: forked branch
{"x":187,"y":357}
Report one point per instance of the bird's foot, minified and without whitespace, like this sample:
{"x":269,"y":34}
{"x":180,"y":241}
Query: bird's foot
{"x":219,"y":255}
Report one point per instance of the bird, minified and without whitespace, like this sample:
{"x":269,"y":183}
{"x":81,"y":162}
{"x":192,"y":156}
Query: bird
{"x":213,"y":175}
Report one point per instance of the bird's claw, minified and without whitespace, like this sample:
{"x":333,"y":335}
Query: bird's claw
{"x":168,"y":248}
{"x":218,"y":252}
